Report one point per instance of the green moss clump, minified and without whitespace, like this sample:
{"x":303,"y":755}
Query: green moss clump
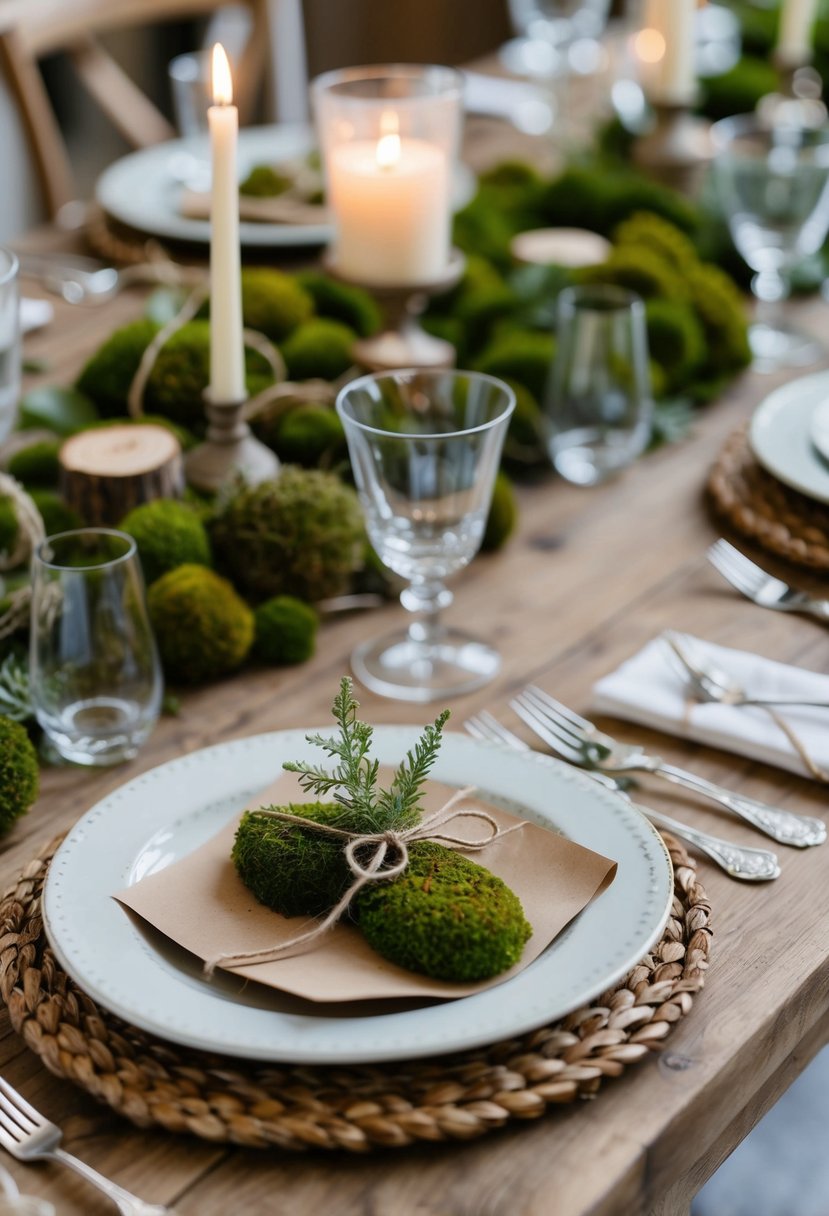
{"x":479,"y":312}
{"x":264,"y":181}
{"x":19,"y":773}
{"x":107,"y":376}
{"x":446,"y":917}
{"x":321,"y":349}
{"x":287,"y":868}
{"x":637,"y":269}
{"x":274,"y":303}
{"x":503,"y":515}
{"x":168,"y":534}
{"x":310,"y":435}
{"x":647,"y":231}
{"x":739,"y":90}
{"x":301,"y":535}
{"x":56,"y":515}
{"x":511,"y":174}
{"x":522,"y":355}
{"x":722,"y":313}
{"x":483,"y":229}
{"x":676,"y":340}
{"x":342,"y":302}
{"x":9,"y":524}
{"x":479,"y":276}
{"x":203,"y":629}
{"x":286,"y":631}
{"x":37,"y":465}
{"x":598,"y":199}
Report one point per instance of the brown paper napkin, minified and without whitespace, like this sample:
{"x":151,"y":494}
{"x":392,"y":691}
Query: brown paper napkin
{"x":201,"y":903}
{"x":281,"y":209}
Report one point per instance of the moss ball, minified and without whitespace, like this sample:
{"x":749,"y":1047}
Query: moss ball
{"x":342,"y":302}
{"x":479,"y":313}
{"x":446,"y":917}
{"x":321,"y":349}
{"x":203,"y":629}
{"x":301,"y":535}
{"x":675,"y":338}
{"x":310,"y":435}
{"x":286,"y":631}
{"x":721,"y":311}
{"x":639,"y":270}
{"x":739,"y":90}
{"x":647,"y":231}
{"x":37,"y":464}
{"x":264,"y":181}
{"x":168,"y":534}
{"x":522,"y":355}
{"x":577,"y":198}
{"x":503,"y":515}
{"x":289,"y":869}
{"x":19,"y":772}
{"x":56,"y":515}
{"x":9,"y":524}
{"x":274,"y":303}
{"x":482,"y":229}
{"x":107,"y":376}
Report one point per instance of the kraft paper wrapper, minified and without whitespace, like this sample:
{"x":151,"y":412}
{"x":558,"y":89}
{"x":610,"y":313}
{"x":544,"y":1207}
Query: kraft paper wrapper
{"x":201,"y":903}
{"x":277,"y":210}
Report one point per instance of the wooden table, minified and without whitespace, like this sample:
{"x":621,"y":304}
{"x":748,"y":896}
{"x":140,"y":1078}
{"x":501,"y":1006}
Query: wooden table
{"x":589,"y":578}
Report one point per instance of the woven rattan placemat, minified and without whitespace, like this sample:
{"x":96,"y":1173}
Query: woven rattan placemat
{"x":155,"y":1083}
{"x":759,"y":506}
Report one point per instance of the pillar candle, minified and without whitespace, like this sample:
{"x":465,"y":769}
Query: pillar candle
{"x":797,"y":19}
{"x":672,"y":75}
{"x":227,"y":350}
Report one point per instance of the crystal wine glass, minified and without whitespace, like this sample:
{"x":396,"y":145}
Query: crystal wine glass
{"x":549,"y":29}
{"x":425,"y":447}
{"x":773,"y":182}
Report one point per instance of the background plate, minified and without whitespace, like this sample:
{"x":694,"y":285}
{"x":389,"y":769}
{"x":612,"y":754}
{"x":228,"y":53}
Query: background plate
{"x":160,"y":816}
{"x":781,"y":435}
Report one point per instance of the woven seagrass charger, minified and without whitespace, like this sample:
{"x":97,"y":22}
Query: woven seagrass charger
{"x":755,"y":503}
{"x":154,"y":1083}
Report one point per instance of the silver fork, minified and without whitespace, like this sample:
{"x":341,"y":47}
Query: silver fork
{"x":757,"y":585}
{"x":712,"y":683}
{"x":583,"y":744}
{"x":29,"y":1137}
{"x":746,"y":864}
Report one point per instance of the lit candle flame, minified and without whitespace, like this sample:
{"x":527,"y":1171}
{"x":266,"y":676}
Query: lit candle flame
{"x":388,"y":151}
{"x":222,"y":80}
{"x":650,"y":46}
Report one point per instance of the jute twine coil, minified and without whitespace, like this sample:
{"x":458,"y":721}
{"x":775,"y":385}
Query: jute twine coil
{"x":759,"y":506}
{"x":157,"y":1084}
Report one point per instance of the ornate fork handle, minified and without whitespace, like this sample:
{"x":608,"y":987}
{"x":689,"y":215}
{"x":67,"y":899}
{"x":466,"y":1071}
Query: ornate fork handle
{"x":127,"y":1203}
{"x":800,"y":831}
{"x":750,"y":865}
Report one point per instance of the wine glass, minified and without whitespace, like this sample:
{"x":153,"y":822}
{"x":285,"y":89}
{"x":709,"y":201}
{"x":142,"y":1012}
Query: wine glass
{"x":425,"y":447}
{"x":96,"y":681}
{"x":773,"y":182}
{"x":549,"y":30}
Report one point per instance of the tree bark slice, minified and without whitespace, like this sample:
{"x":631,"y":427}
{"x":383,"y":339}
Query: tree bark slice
{"x":105,"y":473}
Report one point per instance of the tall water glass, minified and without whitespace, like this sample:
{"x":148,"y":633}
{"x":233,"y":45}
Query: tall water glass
{"x":425,"y":448}
{"x":9,"y":341}
{"x":95,"y":675}
{"x":773,"y":184}
{"x":599,"y":407}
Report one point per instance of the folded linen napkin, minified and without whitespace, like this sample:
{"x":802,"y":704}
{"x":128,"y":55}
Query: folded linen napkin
{"x":650,"y":688}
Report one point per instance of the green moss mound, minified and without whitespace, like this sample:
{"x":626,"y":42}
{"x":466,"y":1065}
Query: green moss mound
{"x":287,"y":868}
{"x":353,"y":306}
{"x":37,"y":465}
{"x":522,"y":355}
{"x":647,"y":231}
{"x":310,"y":435}
{"x":9,"y":524}
{"x":274,"y":303}
{"x":321,"y":349}
{"x":107,"y":376}
{"x":446,"y":917}
{"x":203,"y":629}
{"x":503,"y":515}
{"x":639,"y":270}
{"x":264,"y":181}
{"x":286,"y":631}
{"x":168,"y":534}
{"x":56,"y":515}
{"x":721,"y":311}
{"x":301,"y":535}
{"x":739,"y":90}
{"x":676,"y":340}
{"x":600,"y":200}
{"x":19,"y":773}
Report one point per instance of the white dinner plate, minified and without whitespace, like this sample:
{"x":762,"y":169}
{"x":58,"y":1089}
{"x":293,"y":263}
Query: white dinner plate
{"x":143,"y":189}
{"x":159,"y":817}
{"x":819,"y":430}
{"x":781,"y":435}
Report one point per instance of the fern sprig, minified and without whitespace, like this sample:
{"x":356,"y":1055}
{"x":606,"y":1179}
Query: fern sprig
{"x":404,"y":793}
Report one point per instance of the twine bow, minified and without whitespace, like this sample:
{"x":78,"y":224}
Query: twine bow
{"x":390,"y":846}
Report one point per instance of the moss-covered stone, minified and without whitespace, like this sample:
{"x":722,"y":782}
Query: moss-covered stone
{"x":56,"y":515}
{"x":320,"y":349}
{"x":310,"y":435}
{"x":274,"y":303}
{"x":168,"y":534}
{"x":647,"y":231}
{"x":286,"y":631}
{"x":289,"y":869}
{"x":639,"y":270}
{"x":19,"y":772}
{"x":37,"y":464}
{"x":721,"y":311}
{"x":344,"y":302}
{"x":106,"y":377}
{"x":203,"y":629}
{"x":676,"y":340}
{"x":503,"y":515}
{"x":445,"y":917}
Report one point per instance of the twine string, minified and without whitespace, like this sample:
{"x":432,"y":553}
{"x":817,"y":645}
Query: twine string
{"x":791,"y":734}
{"x":389,"y":859}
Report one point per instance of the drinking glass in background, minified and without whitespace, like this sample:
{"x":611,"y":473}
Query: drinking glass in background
{"x":191,"y":94}
{"x":95,"y":675}
{"x":9,"y":341}
{"x":425,"y":447}
{"x":599,"y":406}
{"x":773,"y":183}
{"x":557,"y":36}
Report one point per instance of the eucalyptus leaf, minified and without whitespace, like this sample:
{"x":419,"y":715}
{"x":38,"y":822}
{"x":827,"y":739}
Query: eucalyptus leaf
{"x":63,"y":410}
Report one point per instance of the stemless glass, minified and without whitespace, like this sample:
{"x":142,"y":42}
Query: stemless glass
{"x":95,"y":675}
{"x":599,"y":406}
{"x":9,"y":341}
{"x":425,"y":447}
{"x":773,"y":182}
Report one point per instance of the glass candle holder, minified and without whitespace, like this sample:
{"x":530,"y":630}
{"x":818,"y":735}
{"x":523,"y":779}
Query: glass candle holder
{"x":389,"y":137}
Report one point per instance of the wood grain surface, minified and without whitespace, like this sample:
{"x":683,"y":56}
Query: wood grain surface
{"x":589,"y":578}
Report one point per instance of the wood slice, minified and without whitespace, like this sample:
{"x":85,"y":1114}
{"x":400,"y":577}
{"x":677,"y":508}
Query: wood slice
{"x":105,"y":473}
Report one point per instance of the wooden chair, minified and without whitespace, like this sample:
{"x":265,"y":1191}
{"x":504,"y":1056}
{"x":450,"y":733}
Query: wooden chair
{"x":31,"y":29}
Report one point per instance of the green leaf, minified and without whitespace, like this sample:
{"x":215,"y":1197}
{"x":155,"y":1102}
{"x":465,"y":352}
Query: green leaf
{"x":63,"y":410}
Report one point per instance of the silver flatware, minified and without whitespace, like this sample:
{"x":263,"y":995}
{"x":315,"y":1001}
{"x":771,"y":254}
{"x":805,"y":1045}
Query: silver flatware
{"x":81,"y":280}
{"x":583,"y":744}
{"x":763,"y":588}
{"x":711,"y":682}
{"x":28,"y":1136}
{"x":744,"y":864}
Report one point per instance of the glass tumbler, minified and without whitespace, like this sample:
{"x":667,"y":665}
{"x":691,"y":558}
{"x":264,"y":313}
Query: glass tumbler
{"x":425,"y":448}
{"x":9,"y":341}
{"x":599,"y":405}
{"x":96,"y":679}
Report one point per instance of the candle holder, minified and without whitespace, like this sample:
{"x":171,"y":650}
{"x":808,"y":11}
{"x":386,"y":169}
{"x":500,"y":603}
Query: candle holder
{"x":677,"y":149}
{"x":798,"y":98}
{"x":229,"y":450}
{"x":402,"y":342}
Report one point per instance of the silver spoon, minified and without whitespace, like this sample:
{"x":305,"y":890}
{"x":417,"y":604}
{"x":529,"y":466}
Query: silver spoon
{"x":711,"y":683}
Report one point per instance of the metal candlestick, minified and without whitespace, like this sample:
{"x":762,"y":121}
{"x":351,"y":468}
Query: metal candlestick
{"x":402,"y":342}
{"x":229,"y":450}
{"x":677,"y":150}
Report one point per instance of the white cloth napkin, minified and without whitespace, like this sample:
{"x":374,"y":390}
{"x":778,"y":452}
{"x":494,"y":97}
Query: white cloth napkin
{"x":34,"y":314}
{"x":649,"y":688}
